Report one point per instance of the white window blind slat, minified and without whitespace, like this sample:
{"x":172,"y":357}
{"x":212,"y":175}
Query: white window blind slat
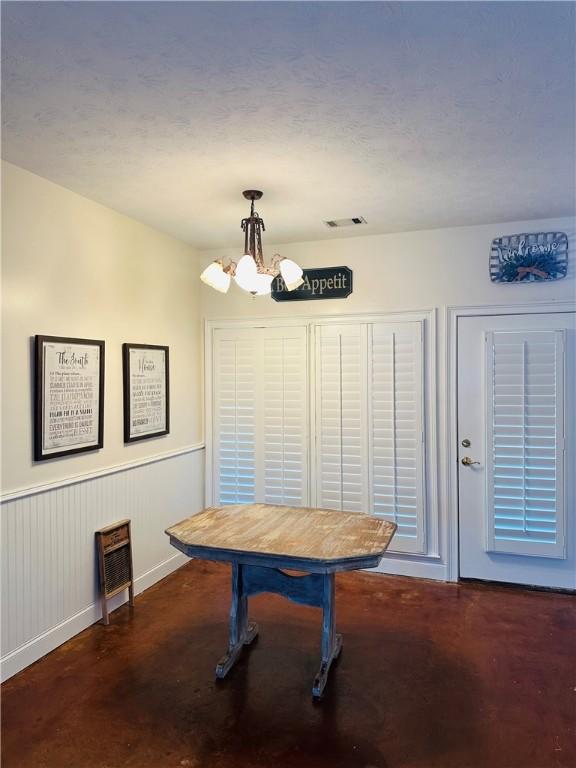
{"x":525,"y":433}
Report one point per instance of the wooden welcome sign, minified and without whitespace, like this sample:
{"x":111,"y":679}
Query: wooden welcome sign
{"x":529,"y":257}
{"x":322,"y":283}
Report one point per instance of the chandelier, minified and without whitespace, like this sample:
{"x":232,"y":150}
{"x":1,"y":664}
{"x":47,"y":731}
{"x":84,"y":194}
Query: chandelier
{"x":251,"y":273}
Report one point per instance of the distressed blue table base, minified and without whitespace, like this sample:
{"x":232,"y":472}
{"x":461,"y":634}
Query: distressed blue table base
{"x":313,"y":589}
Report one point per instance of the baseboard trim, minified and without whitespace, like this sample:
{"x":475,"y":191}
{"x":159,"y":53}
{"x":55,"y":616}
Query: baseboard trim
{"x":39,"y":646}
{"x":417,"y":568}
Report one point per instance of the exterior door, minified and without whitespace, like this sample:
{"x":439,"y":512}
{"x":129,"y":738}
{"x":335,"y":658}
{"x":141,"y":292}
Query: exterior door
{"x":516,"y":460}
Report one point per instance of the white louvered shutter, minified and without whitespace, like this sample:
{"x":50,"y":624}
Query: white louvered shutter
{"x":260,"y":416}
{"x":235,"y":378}
{"x":285,"y":416}
{"x":396,"y":430}
{"x":341,"y":406}
{"x":524,"y":442}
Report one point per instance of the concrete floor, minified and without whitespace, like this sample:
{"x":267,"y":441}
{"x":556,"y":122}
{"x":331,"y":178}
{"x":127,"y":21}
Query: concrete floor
{"x":431,"y":676}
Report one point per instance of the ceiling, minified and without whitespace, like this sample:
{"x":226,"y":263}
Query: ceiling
{"x":413,"y":115}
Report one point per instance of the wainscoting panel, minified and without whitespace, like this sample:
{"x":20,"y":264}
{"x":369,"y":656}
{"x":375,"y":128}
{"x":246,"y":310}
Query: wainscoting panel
{"x":49,"y":569}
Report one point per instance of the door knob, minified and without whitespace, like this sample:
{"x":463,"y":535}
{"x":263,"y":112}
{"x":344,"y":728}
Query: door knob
{"x":467,"y":461}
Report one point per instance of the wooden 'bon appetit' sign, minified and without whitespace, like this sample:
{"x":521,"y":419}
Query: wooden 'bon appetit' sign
{"x":321,"y":283}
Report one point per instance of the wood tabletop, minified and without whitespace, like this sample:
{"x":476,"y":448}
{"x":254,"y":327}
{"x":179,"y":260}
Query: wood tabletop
{"x":299,"y":533}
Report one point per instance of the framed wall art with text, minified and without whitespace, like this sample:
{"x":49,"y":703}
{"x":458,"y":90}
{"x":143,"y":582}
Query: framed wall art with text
{"x":68,"y":396}
{"x":146,"y":391}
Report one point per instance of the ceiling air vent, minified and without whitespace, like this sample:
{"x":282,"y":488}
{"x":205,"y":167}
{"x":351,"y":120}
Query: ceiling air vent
{"x":346,"y":222}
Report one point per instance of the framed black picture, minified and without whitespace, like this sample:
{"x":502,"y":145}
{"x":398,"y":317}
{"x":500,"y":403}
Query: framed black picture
{"x":146,"y":391}
{"x":68,"y":396}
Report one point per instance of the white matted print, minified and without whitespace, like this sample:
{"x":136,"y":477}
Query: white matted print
{"x":68,"y":397}
{"x":146,"y":391}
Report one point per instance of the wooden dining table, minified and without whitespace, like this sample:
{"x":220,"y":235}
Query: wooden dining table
{"x":261,"y":541}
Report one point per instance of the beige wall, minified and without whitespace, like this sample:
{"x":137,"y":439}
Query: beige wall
{"x":72,"y":267}
{"x":413,"y":270}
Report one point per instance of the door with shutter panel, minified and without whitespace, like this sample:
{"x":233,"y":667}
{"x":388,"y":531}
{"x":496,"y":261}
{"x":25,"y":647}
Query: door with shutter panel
{"x":284,"y":425}
{"x":516,"y":408}
{"x":370,"y":449}
{"x":235,"y":373}
{"x":396,"y":430}
{"x":260,"y":416}
{"x":341,"y":417}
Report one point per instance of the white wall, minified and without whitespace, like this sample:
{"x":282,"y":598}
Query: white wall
{"x":412,"y":271}
{"x":72,"y":267}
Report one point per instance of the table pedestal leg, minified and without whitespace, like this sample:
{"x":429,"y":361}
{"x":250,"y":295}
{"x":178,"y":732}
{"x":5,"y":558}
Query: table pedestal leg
{"x":313,"y":589}
{"x":242,"y":631}
{"x":331,"y":642}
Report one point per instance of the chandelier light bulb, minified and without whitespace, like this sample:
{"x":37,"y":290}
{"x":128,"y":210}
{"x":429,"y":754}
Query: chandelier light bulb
{"x":246,"y":267}
{"x":261,"y":285}
{"x":291,"y":274}
{"x":215,"y":277}
{"x":246,"y":273}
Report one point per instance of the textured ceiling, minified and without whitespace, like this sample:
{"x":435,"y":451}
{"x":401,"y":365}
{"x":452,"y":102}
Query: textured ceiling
{"x":413,"y":115}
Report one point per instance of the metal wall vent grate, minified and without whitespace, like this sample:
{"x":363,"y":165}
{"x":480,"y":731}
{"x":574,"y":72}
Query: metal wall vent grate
{"x":346,"y":222}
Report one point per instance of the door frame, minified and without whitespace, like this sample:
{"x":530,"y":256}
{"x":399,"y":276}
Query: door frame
{"x":452,"y":315}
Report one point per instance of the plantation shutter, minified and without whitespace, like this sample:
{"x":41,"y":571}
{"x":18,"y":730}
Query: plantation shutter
{"x":525,"y":442}
{"x":396,"y":430}
{"x":260,"y":416}
{"x":341,"y":406}
{"x":368,"y":401}
{"x":235,"y":378}
{"x":285,"y":416}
